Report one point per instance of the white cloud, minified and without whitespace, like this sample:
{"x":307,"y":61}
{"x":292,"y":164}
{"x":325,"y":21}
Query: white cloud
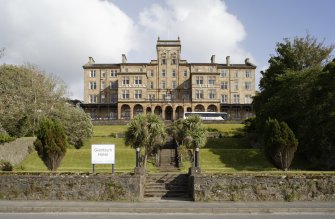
{"x":59,"y":35}
{"x":204,"y":26}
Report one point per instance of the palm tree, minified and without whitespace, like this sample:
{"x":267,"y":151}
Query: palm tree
{"x":176,"y":131}
{"x":145,"y":131}
{"x":194,"y":133}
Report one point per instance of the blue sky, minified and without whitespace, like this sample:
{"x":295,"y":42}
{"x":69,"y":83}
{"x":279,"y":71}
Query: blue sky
{"x":59,"y":36}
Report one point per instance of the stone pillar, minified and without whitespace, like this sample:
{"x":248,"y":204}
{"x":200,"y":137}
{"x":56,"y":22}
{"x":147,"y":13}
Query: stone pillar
{"x":119,"y":111}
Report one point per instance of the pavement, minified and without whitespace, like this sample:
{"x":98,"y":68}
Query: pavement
{"x":164,"y":206}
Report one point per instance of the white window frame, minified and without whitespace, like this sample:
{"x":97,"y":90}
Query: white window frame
{"x":199,"y":94}
{"x":199,"y":80}
{"x":138,"y":80}
{"x":92,"y":74}
{"x":125,"y":80}
{"x":92,"y":85}
{"x":211,"y":94}
{"x":125,"y":94}
{"x":138,"y":94}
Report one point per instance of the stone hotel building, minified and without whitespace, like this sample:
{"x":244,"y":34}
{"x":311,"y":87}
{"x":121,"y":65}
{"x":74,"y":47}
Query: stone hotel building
{"x":168,"y":86}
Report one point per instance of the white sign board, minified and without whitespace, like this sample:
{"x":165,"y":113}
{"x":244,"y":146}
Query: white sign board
{"x":103,"y":154}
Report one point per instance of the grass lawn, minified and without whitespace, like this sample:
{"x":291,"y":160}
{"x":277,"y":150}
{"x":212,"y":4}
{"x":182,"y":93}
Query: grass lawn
{"x":225,"y":128}
{"x":108,"y":130}
{"x":230,"y":160}
{"x":219,"y":155}
{"x":228,"y":143}
{"x":79,"y":160}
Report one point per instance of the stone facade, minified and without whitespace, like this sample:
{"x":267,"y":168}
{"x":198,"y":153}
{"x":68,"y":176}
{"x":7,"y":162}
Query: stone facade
{"x":168,"y":86}
{"x":91,"y":187}
{"x":251,"y":187}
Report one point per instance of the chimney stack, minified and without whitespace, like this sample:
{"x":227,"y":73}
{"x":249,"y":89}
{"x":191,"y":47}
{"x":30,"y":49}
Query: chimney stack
{"x":228,"y":60}
{"x":247,"y":61}
{"x":90,"y":61}
{"x":124,"y":58}
{"x":213,"y":59}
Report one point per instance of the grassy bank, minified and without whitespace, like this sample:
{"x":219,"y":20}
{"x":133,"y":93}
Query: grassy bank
{"x":219,"y":155}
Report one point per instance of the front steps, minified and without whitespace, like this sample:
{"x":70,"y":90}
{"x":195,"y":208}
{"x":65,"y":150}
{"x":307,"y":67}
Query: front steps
{"x":168,"y":186}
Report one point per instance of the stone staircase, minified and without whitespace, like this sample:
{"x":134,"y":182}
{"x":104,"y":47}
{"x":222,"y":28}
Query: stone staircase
{"x":167,"y":186}
{"x":168,"y":160}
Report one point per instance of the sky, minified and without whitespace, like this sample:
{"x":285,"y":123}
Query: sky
{"x":59,"y":36}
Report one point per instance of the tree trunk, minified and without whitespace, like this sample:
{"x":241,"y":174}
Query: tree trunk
{"x":145,"y":159}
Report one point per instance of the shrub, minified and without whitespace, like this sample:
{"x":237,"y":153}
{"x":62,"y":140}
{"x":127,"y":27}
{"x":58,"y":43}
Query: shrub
{"x":6,"y":166}
{"x":5,"y":138}
{"x":51,"y":143}
{"x":280,"y":143}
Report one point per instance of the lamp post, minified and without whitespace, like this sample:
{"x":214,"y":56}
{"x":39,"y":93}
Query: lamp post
{"x":137,"y":157}
{"x":196,"y":156}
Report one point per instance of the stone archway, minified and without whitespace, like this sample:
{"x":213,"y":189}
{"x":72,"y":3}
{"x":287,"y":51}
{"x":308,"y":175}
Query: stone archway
{"x":158,"y":111}
{"x":168,"y":113}
{"x":199,"y":108}
{"x":148,"y":110}
{"x":212,"y":108}
{"x":179,"y":112}
{"x":125,"y":111}
{"x":138,"y":110}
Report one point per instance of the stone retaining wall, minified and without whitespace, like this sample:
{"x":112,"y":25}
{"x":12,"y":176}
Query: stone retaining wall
{"x":251,"y":187}
{"x":62,"y":186}
{"x":16,"y":151}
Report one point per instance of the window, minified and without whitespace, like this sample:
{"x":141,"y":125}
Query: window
{"x":151,"y":96}
{"x":126,"y":69}
{"x":173,"y":73}
{"x":210,"y":69}
{"x":185,"y":73}
{"x":174,"y":84}
{"x":113,"y":98}
{"x":197,"y":70}
{"x":103,"y":98}
{"x":138,"y":94}
{"x":141,"y":70}
{"x":92,"y":74}
{"x":248,"y":98}
{"x":211,"y":80}
{"x":236,"y":98}
{"x":113,"y":73}
{"x":151,"y":85}
{"x":103,"y":75}
{"x":138,"y":79}
{"x":224,"y":85}
{"x":93,"y":98}
{"x":199,"y":94}
{"x":125,"y":94}
{"x":163,"y":61}
{"x":151,"y":73}
{"x":224,"y":98}
{"x":113,"y":85}
{"x":92,"y":85}
{"x":236,"y":73}
{"x":174,"y":61}
{"x":247,"y":74}
{"x":103,"y":85}
{"x":186,"y":97}
{"x":186,"y":85}
{"x":125,"y":80}
{"x":163,"y":73}
{"x":247,"y":85}
{"x":211,"y":94}
{"x":163,"y":85}
{"x":224,"y":73}
{"x":199,"y":79}
{"x":164,"y":96}
{"x":235,"y":85}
